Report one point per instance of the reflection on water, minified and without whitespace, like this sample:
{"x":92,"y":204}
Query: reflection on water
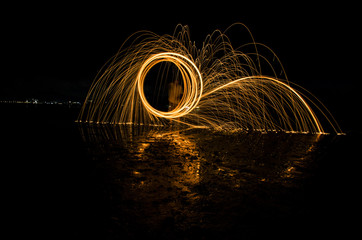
{"x":181,"y":183}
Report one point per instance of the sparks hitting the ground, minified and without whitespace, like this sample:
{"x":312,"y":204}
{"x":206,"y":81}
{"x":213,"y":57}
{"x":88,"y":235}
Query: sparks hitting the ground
{"x":224,"y":88}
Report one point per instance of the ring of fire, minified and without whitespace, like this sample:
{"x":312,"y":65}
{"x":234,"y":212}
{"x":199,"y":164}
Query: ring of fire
{"x":232,"y":88}
{"x":192,"y":81}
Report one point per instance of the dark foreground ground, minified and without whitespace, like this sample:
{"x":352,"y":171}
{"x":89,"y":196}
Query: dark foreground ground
{"x":71,"y":181}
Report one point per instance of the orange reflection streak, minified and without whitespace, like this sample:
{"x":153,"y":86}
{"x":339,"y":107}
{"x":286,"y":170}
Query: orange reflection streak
{"x":224,"y":88}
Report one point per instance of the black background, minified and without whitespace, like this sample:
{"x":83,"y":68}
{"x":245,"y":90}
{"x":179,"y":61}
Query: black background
{"x":54,"y":51}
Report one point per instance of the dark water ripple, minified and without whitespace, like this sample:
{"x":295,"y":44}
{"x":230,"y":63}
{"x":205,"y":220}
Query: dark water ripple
{"x":70,"y":181}
{"x":175,"y":183}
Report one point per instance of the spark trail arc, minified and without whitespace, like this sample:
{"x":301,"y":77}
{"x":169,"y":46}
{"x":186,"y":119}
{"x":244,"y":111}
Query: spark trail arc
{"x":224,"y":88}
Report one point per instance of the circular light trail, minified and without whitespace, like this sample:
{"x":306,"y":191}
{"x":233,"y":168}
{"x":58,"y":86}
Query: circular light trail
{"x":224,"y":88}
{"x":192,"y":81}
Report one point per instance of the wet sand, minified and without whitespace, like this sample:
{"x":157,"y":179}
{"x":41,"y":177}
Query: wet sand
{"x":104,"y":182}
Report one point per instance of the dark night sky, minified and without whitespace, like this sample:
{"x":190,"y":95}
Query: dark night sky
{"x":55,"y":51}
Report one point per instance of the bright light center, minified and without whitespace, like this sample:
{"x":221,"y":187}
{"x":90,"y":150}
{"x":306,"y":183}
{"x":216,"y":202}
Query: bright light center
{"x":192,"y":82}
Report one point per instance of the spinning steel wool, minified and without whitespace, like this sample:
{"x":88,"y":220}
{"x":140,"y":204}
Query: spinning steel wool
{"x":222,"y":87}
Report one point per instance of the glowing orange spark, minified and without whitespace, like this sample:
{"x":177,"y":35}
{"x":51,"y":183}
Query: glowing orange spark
{"x":191,"y":77}
{"x":224,"y":88}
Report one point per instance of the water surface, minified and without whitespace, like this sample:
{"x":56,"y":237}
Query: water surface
{"x":178,"y":183}
{"x":77,"y":181}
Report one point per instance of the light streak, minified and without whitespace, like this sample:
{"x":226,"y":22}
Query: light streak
{"x":225,"y":88}
{"x":191,"y":77}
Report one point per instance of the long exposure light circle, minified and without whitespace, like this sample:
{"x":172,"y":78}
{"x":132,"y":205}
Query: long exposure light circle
{"x":224,"y":88}
{"x":192,"y":81}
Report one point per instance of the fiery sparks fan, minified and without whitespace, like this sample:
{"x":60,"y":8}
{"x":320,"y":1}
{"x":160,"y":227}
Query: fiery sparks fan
{"x":217,"y":86}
